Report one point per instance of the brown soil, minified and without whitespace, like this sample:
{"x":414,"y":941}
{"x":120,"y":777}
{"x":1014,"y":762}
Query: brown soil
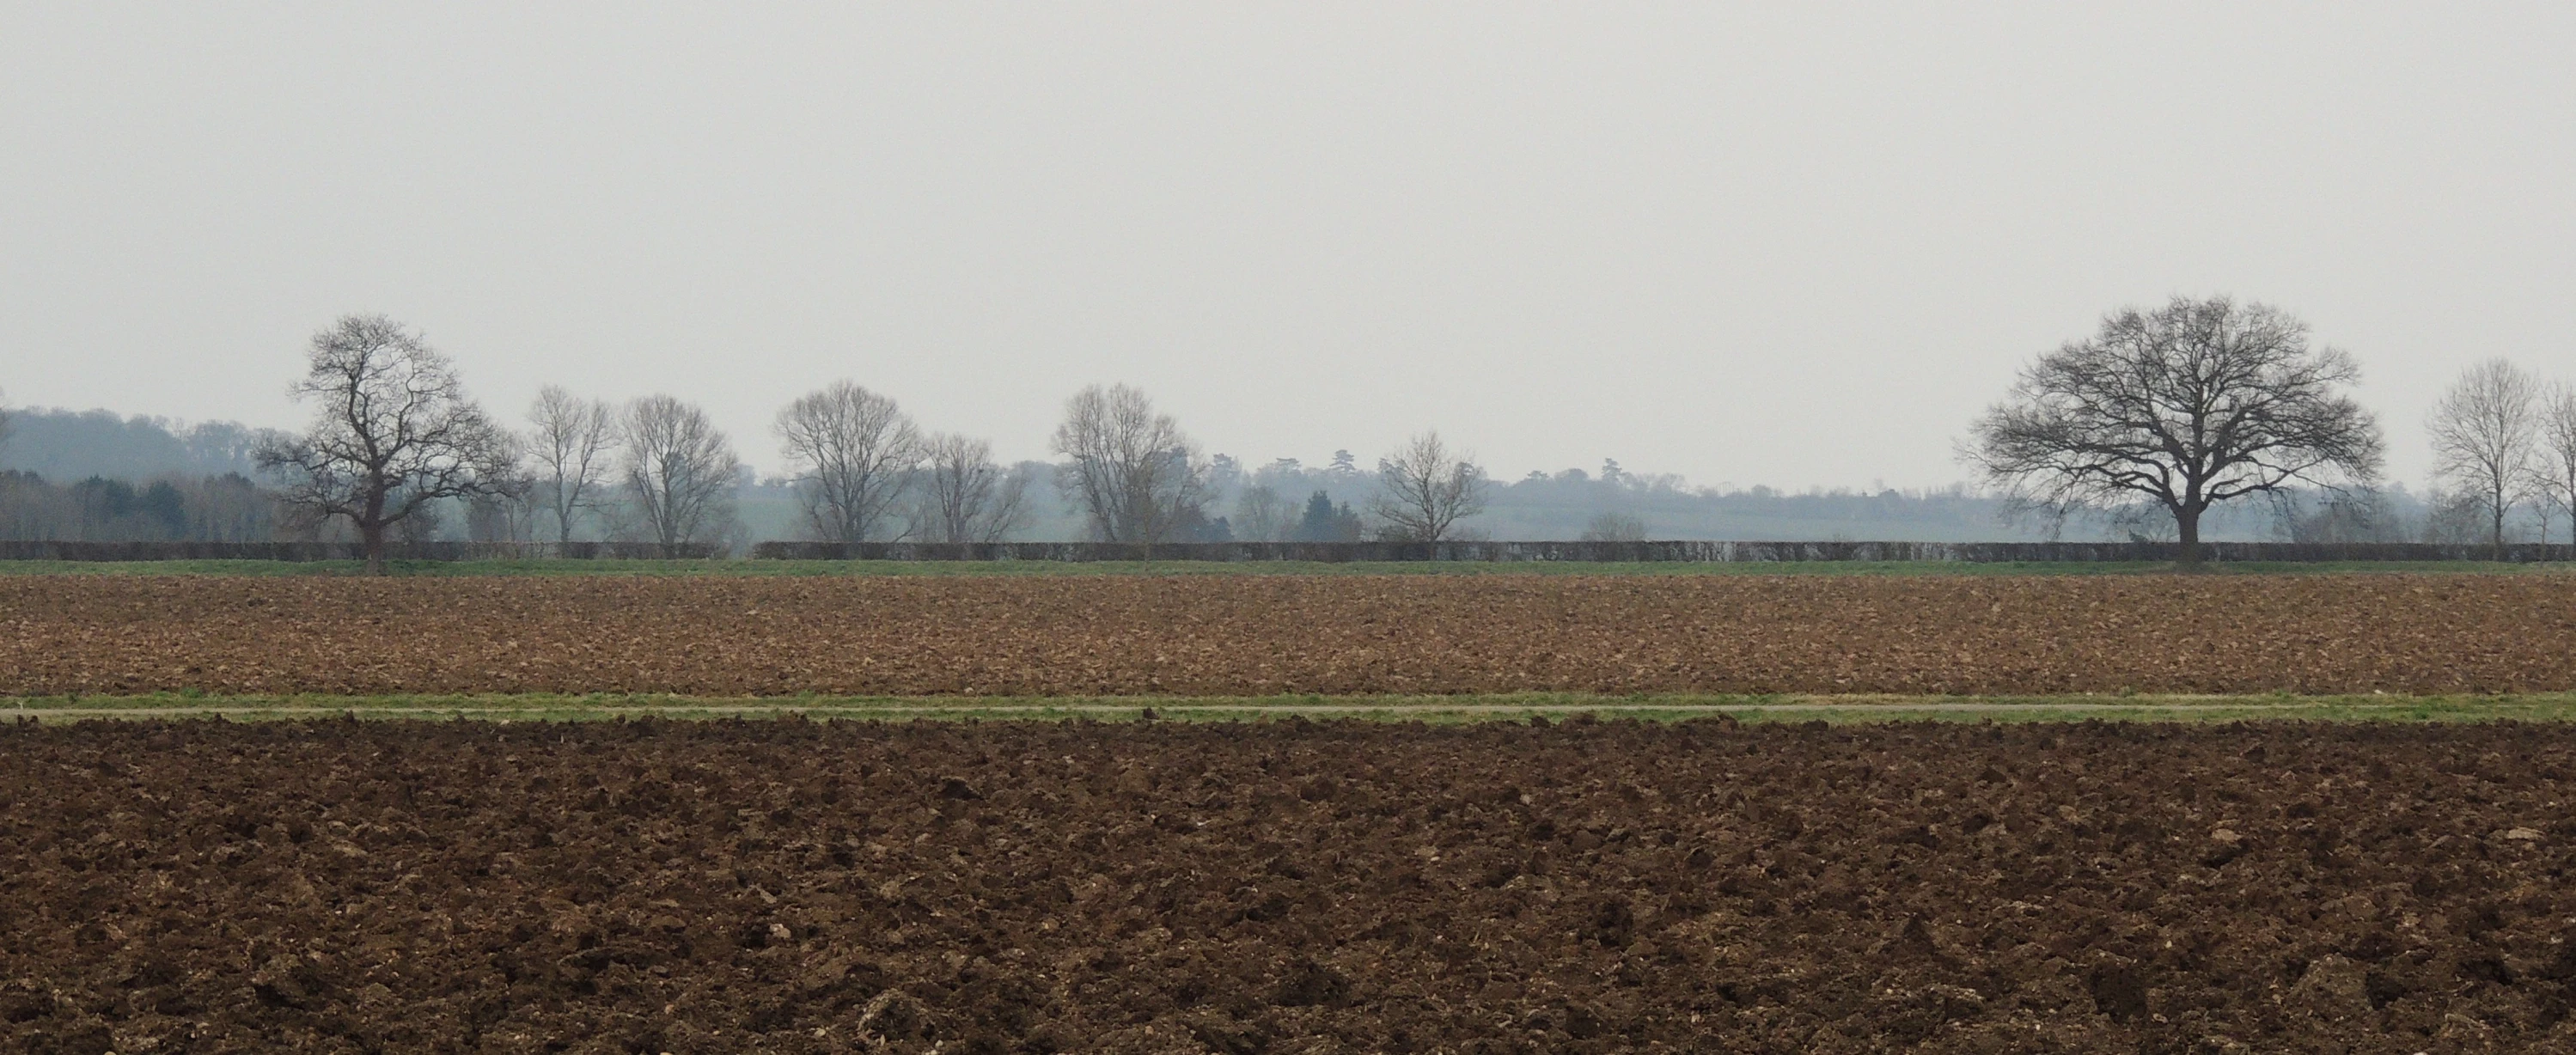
{"x":790,"y":887}
{"x":1269,"y":634}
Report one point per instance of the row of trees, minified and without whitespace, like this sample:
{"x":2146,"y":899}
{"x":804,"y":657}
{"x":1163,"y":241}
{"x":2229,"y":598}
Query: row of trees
{"x":1140,"y":479}
{"x":395,"y":437}
{"x":2179,"y":409}
{"x":863,"y":469}
{"x":2176,"y":409}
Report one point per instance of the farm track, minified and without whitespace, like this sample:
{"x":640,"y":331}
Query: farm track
{"x":1261,"y":635}
{"x":1463,"y":708}
{"x":1288,"y":887}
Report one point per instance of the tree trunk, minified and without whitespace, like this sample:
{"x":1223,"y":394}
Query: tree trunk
{"x":2187,"y":530}
{"x":371,"y":524}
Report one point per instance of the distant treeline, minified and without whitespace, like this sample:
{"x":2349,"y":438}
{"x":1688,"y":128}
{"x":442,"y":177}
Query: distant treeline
{"x":226,"y":508}
{"x":93,"y":476}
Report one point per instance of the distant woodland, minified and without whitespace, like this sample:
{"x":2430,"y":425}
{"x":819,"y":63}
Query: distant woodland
{"x":93,"y":475}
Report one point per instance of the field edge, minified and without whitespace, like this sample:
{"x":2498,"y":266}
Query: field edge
{"x":2533,"y":707}
{"x":732,"y":568}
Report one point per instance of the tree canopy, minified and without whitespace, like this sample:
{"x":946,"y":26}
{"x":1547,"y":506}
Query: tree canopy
{"x":394,"y":432}
{"x":2184,"y":407}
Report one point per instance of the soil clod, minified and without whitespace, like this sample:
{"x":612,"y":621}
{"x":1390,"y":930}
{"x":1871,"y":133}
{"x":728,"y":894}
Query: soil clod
{"x":1284,"y":887}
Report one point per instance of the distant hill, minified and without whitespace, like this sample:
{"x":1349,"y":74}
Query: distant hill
{"x":65,"y":446}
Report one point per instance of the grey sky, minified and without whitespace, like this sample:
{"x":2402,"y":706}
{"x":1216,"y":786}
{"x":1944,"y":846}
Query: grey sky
{"x":1786,"y":243}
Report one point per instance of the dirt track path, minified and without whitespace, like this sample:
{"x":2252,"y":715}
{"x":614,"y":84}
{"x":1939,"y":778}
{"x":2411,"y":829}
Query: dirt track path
{"x":1131,"y":710}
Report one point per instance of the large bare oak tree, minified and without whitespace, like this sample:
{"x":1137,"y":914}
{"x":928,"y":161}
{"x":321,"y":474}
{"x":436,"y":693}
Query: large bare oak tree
{"x":853,"y":452}
{"x":2184,"y":406}
{"x":2483,"y":432}
{"x":395,"y":433}
{"x":1424,"y":489}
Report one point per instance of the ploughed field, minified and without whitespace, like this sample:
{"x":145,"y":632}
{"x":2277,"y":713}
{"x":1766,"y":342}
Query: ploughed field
{"x":1253,"y":635}
{"x":1285,"y":887}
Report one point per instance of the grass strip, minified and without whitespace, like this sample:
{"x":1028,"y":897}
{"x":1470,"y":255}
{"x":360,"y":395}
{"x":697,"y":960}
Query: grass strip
{"x":722,"y":568}
{"x":2536,"y":707}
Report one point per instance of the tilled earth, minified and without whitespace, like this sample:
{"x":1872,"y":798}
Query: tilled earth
{"x":1288,"y":887}
{"x":1247,"y":635}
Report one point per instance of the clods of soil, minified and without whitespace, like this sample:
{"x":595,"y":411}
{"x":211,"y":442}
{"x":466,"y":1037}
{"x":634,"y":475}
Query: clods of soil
{"x":1259,"y":634}
{"x":1283,"y":888}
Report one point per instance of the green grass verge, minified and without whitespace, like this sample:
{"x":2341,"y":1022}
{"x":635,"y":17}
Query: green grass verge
{"x":916,"y":568}
{"x":2539,"y":707}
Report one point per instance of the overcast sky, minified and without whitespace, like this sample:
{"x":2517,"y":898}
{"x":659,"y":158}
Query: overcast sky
{"x":1795,"y":244}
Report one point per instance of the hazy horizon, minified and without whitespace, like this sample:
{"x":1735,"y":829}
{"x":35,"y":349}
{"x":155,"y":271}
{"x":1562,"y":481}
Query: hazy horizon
{"x":1795,"y":247}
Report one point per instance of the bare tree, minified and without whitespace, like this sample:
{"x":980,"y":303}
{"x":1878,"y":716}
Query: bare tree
{"x":2186,"y":406}
{"x":680,"y":471}
{"x":572,"y":443}
{"x":1615,"y":526}
{"x":1424,"y":488}
{"x":853,"y":451}
{"x":2454,"y":518}
{"x":8,"y":481}
{"x":1261,"y":514}
{"x":2554,"y":470}
{"x":396,"y":433}
{"x":2484,"y":430}
{"x":1131,"y":470}
{"x":506,"y":511}
{"x":2358,"y":514}
{"x":965,"y":495}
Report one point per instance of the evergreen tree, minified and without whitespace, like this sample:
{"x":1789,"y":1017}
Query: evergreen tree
{"x":1327,"y":522}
